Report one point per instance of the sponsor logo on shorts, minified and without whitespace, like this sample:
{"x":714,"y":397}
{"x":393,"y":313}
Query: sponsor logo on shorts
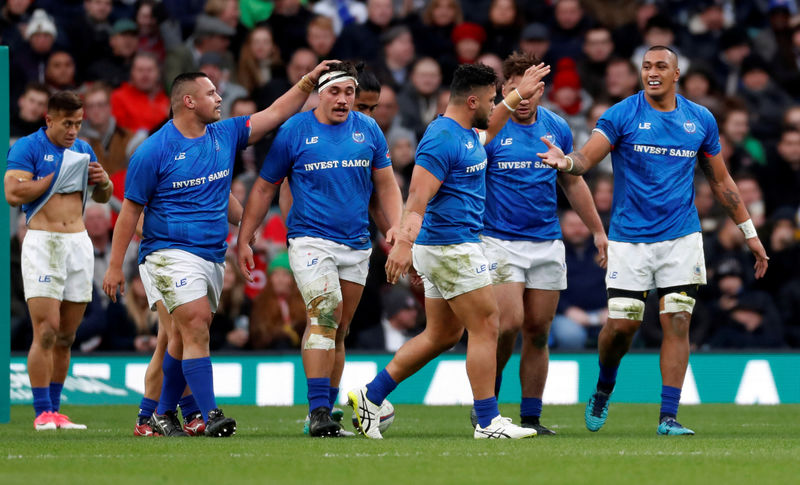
{"x":312,"y":262}
{"x":612,"y":275}
{"x":44,"y":278}
{"x":180,"y":283}
{"x":482,"y":268}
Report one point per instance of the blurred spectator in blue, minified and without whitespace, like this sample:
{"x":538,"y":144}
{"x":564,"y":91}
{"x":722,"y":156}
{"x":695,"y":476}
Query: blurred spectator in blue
{"x":566,"y":35}
{"x":598,"y":48}
{"x":432,"y":30}
{"x":363,"y":41}
{"x":115,"y":67}
{"x":622,"y":79}
{"x":320,"y":36}
{"x":29,"y":59}
{"x":745,"y":318}
{"x":765,"y":99}
{"x":341,"y":13}
{"x":398,"y":54}
{"x":503,"y":28}
{"x":29,"y":116}
{"x":418,"y":99}
{"x":582,"y":309}
{"x":210,"y":35}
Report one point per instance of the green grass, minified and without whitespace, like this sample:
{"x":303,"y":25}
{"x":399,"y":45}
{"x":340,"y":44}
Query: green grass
{"x":733,"y":445}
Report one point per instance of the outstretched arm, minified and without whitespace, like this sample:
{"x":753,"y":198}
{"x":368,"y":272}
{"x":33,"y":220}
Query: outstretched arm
{"x":254,"y":211}
{"x":580,"y":198}
{"x":725,"y":191}
{"x":579,"y":161}
{"x":270,"y":118}
{"x":531,"y":86}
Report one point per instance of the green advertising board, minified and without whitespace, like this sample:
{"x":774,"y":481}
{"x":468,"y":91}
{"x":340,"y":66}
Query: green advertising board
{"x":5,"y":277}
{"x":279,"y":380}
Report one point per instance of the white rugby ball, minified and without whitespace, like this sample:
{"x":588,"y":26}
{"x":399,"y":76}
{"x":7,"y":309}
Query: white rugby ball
{"x":387,"y":417}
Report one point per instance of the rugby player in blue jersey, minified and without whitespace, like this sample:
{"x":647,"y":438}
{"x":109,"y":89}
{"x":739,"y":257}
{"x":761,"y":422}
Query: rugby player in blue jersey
{"x":181,"y":177}
{"x":655,"y":138}
{"x":51,"y":173}
{"x":448,"y":186}
{"x":332,"y":157}
{"x":522,"y":237}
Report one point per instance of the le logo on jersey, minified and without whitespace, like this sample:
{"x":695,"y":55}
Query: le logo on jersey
{"x":312,"y":140}
{"x":507,"y":141}
{"x":469,"y":145}
{"x":48,"y":158}
{"x":180,"y":156}
{"x":644,"y":126}
{"x":549,"y":136}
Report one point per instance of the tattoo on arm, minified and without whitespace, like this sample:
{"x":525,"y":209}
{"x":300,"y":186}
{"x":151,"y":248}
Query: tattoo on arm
{"x":581,"y":163}
{"x":708,"y":170}
{"x":730,"y":201}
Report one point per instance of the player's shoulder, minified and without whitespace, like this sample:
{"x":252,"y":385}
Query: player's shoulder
{"x":551,"y":118}
{"x":158,"y":141}
{"x":81,"y":146}
{"x":440,"y":129}
{"x":29,"y":144}
{"x":696,"y":109}
{"x":365,"y":121}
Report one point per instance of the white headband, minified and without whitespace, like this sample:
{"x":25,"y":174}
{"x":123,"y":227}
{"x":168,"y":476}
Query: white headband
{"x":333,"y":77}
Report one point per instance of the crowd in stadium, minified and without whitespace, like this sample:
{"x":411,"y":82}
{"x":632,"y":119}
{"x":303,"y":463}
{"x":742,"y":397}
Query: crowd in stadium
{"x":740,"y":59}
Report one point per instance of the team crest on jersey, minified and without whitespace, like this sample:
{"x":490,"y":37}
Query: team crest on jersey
{"x":549,"y":136}
{"x":689,"y":127}
{"x":358,"y":137}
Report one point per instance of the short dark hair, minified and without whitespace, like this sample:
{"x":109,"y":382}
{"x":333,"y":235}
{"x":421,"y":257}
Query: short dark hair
{"x":346,"y":66}
{"x":367,"y":82}
{"x":469,"y":77}
{"x":789,"y":130}
{"x":64,"y":102}
{"x":36,"y":86}
{"x":177,"y":90}
{"x":517,"y":63}
{"x":663,"y":48}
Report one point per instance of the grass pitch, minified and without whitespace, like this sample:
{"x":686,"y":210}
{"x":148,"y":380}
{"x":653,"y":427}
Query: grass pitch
{"x":734,"y":444}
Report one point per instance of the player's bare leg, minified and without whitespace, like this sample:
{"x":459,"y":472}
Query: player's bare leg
{"x":509,"y":301}
{"x":45,"y":317}
{"x":674,"y":361}
{"x":540,"y":308}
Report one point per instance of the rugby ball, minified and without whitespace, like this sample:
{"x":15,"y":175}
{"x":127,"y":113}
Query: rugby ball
{"x":387,"y":417}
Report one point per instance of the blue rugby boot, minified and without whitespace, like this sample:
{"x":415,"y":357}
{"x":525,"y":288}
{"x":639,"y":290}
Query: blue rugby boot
{"x":596,"y":411}
{"x":670,"y":427}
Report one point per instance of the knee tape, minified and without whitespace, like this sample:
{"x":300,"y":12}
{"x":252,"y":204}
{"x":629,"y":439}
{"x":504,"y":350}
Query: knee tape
{"x":677,"y":302}
{"x":318,"y":342}
{"x":626,"y":308}
{"x":322,"y":296}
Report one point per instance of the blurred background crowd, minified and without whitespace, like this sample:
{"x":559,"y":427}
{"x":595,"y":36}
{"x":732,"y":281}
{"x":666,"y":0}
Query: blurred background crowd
{"x":739,"y":58}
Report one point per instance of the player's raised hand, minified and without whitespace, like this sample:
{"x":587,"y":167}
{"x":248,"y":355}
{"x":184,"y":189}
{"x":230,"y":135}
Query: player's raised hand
{"x":399,"y":260}
{"x":531,"y":80}
{"x":112,"y":280}
{"x":318,"y":71}
{"x":760,"y":253}
{"x":601,"y":243}
{"x":554,"y":156}
{"x":245,"y":259}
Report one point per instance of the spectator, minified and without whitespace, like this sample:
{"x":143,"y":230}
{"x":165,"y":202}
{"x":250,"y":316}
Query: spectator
{"x":468,"y":39}
{"x":302,"y":61}
{"x":231,"y":323}
{"x":765,"y":100}
{"x":782,"y":174}
{"x":288,"y":22}
{"x":29,"y":60}
{"x":398,"y":54}
{"x":504,"y":28}
{"x":279,"y":314}
{"x":735,"y":124}
{"x":210,"y":35}
{"x":630,"y":35}
{"x":432,"y":33}
{"x":386,"y":115}
{"x":582,"y":308}
{"x":748,"y":319}
{"x":134,"y":326}
{"x":29,"y":117}
{"x":752,"y":197}
{"x":97,"y":218}
{"x":734,"y":48}
{"x":59,"y":74}
{"x":340,"y":13}
{"x":705,"y":30}
{"x":258,"y":59}
{"x":778,"y":31}
{"x":228,"y":12}
{"x":89,"y":34}
{"x":112,"y":144}
{"x":699,"y":85}
{"x":397,"y":325}
{"x":213,"y":65}
{"x":535,"y":40}
{"x":115,"y":68}
{"x":659,"y":31}
{"x":727,"y":243}
{"x":13,"y":17}
{"x":566,"y":98}
{"x":362,"y":41}
{"x":707,"y":209}
{"x":150,"y":16}
{"x":320,"y":36}
{"x":245,"y":159}
{"x":418,"y":100}
{"x":783,"y":250}
{"x":566,"y":36}
{"x":622,"y":79}
{"x":598,"y":47}
{"x":603,"y":196}
{"x":593,"y":114}
{"x":141,"y":103}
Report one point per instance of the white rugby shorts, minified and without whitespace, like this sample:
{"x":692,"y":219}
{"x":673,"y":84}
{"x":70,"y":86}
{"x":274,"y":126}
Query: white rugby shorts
{"x":663,"y":264}
{"x":57,"y":265}
{"x":313,"y":258}
{"x":451,"y":270}
{"x":538,"y":264}
{"x":177,"y":277}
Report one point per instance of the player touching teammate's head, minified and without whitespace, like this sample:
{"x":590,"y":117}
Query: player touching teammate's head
{"x":368,"y":91}
{"x":337,"y":93}
{"x":473,"y":86}
{"x":63,"y":118}
{"x":514,"y":68}
{"x":660,"y":72}
{"x":193,"y":92}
